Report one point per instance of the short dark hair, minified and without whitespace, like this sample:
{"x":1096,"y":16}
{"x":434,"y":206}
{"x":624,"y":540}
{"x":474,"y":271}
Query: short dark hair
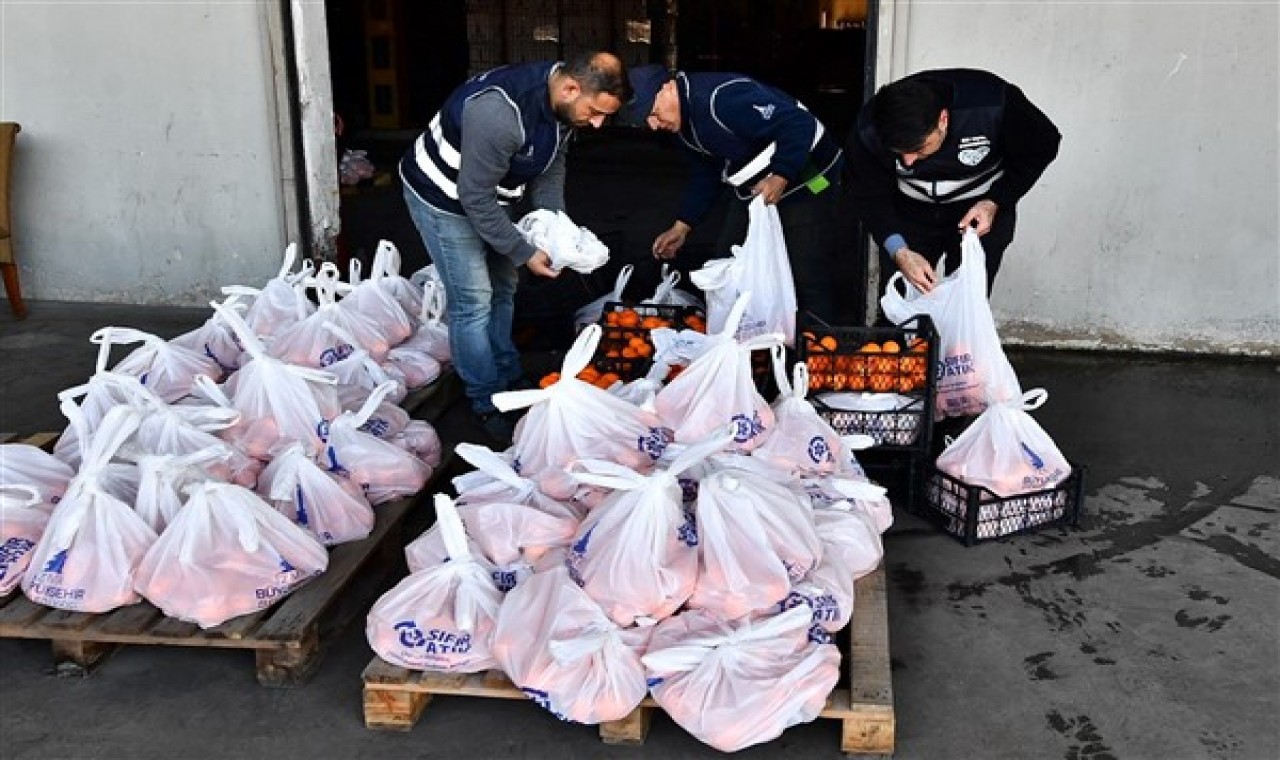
{"x":600,"y":72}
{"x":904,"y":113}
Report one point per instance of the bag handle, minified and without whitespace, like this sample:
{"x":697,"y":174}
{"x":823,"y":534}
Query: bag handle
{"x":595,"y":636}
{"x":576,"y":359}
{"x":488,"y":462}
{"x":1033,"y":399}
{"x":386,"y":261}
{"x":16,"y":496}
{"x":287,"y":471}
{"x":290,"y":256}
{"x":107,"y":337}
{"x":620,"y":284}
{"x":248,"y":339}
{"x":354,"y":270}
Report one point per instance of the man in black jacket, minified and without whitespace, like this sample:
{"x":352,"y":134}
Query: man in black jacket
{"x":938,"y":151}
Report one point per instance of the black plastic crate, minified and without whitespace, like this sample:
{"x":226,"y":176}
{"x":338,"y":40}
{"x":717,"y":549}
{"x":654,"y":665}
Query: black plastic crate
{"x":626,"y":348}
{"x":840,"y":359}
{"x":974,"y":513}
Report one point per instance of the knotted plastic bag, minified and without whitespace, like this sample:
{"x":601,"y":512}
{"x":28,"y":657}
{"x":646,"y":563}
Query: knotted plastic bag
{"x":227,"y":553}
{"x":432,"y":334}
{"x":163,"y":479}
{"x":441,"y":618}
{"x":282,"y":302}
{"x":1006,"y":451}
{"x":309,"y":343}
{"x":330,"y":507}
{"x":636,"y":554}
{"x":91,"y":547}
{"x":755,"y":538}
{"x":573,"y":419}
{"x":717,"y":390}
{"x":280,"y":402}
{"x":22,"y":523}
{"x":381,"y":469}
{"x":167,"y":369}
{"x":379,"y":303}
{"x":801,"y":441}
{"x":668,"y":294}
{"x":736,"y":684}
{"x":558,"y":648}
{"x":27,"y":466}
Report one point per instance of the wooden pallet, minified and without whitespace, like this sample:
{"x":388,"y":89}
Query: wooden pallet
{"x":286,"y":639}
{"x":394,"y":697}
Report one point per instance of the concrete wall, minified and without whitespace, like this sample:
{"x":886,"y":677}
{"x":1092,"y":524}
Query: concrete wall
{"x":148,"y":167}
{"x":1157,"y":226}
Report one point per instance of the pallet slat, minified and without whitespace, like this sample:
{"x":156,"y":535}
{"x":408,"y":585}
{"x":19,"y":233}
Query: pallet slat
{"x":18,"y":614}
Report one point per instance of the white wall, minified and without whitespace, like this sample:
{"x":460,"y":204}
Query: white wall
{"x":1156,"y":228}
{"x":148,"y":166}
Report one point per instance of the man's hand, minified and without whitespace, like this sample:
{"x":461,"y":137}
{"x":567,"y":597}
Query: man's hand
{"x":984,"y":213}
{"x":770,"y":188}
{"x":668,"y":244}
{"x":916,"y":269}
{"x":540,"y":264}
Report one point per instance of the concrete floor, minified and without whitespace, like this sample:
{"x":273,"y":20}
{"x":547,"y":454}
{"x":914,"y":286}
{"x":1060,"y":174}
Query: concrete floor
{"x":1150,"y":632}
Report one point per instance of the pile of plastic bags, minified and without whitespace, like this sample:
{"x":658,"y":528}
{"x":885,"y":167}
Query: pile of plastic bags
{"x":701,"y":548}
{"x":208,"y":473}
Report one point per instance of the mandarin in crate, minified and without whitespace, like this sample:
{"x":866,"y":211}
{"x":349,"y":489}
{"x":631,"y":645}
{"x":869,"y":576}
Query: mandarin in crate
{"x":549,"y":379}
{"x":882,"y":383}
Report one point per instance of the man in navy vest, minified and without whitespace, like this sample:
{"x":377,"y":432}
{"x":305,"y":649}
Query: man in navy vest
{"x":499,"y":135}
{"x":939,"y":151}
{"x":759,"y":141}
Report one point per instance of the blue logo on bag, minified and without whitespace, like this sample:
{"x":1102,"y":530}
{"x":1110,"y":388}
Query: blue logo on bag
{"x":334,"y":466}
{"x":745,"y":428}
{"x":654,"y":681}
{"x":688,"y":531}
{"x":335,"y":354}
{"x":13,"y":550}
{"x":377,"y":426}
{"x":285,"y":567}
{"x":55,"y":563}
{"x":655,"y":441}
{"x":1032,"y":457}
{"x":819,"y":451}
{"x":819,"y":635}
{"x":573,"y":560}
{"x":543,"y":699}
{"x":322,"y":430}
{"x":300,"y":507}
{"x":688,"y":490}
{"x":410,"y":634}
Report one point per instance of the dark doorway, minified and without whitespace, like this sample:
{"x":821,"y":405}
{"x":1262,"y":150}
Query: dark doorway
{"x":393,"y":62}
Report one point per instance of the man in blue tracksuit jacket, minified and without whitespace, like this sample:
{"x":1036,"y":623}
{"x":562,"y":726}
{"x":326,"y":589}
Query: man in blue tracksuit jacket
{"x":759,"y":141}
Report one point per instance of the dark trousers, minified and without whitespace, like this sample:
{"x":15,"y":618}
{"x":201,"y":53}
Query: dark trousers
{"x":809,"y":225}
{"x":931,"y":232}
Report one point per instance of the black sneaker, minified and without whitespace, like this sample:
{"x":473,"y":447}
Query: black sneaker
{"x":500,"y":426}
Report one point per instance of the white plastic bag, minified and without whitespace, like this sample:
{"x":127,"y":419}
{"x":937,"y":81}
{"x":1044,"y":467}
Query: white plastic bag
{"x":567,"y":244}
{"x":591,"y":313}
{"x":331,"y":508}
{"x":168,"y":369}
{"x":280,"y":402}
{"x":755,"y":538}
{"x":801,"y":441}
{"x":378,"y":302}
{"x":383,"y":470}
{"x":227,"y":553}
{"x":22,"y":523}
{"x":280,"y":303}
{"x":740,"y":683}
{"x":431,"y":334}
{"x":27,"y":466}
{"x":759,"y":266}
{"x":717,"y":389}
{"x":636,"y":554}
{"x":572,"y":419}
{"x":216,"y":340}
{"x":1006,"y":451}
{"x":91,"y":547}
{"x":310,"y":343}
{"x":972,"y":370}
{"x":386,"y":272}
{"x":164,"y":477}
{"x":441,"y":618}
{"x":558,"y":648}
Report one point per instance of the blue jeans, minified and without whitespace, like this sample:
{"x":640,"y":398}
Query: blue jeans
{"x":480,"y":285}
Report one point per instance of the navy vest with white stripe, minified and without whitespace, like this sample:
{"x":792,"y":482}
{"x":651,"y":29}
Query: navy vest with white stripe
{"x":431,"y":165}
{"x":706,"y":129}
{"x":971,"y":157}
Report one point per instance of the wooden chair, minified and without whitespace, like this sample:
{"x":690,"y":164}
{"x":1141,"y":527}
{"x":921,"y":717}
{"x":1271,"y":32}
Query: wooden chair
{"x":8,"y":136}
